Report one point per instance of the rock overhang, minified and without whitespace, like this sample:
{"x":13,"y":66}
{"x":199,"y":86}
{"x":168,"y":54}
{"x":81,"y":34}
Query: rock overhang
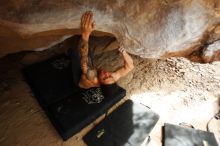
{"x":150,"y":29}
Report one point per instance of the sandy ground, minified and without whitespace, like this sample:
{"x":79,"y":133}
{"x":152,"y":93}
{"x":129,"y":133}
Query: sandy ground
{"x":175,"y":88}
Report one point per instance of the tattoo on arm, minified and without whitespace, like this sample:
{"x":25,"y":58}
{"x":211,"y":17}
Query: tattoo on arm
{"x":84,"y":49}
{"x":86,"y":66}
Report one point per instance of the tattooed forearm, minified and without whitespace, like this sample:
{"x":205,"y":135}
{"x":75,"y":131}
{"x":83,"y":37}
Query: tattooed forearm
{"x":86,"y":62}
{"x":84,"y":49}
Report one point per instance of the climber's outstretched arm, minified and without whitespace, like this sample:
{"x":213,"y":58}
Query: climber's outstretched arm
{"x":128,"y":65}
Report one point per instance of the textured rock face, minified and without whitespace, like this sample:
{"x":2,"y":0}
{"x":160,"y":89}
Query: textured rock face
{"x":147,"y":28}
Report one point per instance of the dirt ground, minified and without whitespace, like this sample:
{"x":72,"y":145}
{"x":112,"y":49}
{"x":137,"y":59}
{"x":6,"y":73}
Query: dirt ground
{"x":175,"y":88}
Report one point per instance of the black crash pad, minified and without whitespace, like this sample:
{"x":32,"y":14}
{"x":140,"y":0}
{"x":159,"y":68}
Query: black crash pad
{"x":51,"y":83}
{"x":129,"y":124}
{"x":175,"y":135}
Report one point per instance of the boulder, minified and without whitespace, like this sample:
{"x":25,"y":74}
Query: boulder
{"x":147,"y":28}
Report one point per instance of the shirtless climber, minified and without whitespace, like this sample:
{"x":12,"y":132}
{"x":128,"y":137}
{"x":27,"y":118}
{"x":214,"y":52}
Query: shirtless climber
{"x":82,"y":59}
